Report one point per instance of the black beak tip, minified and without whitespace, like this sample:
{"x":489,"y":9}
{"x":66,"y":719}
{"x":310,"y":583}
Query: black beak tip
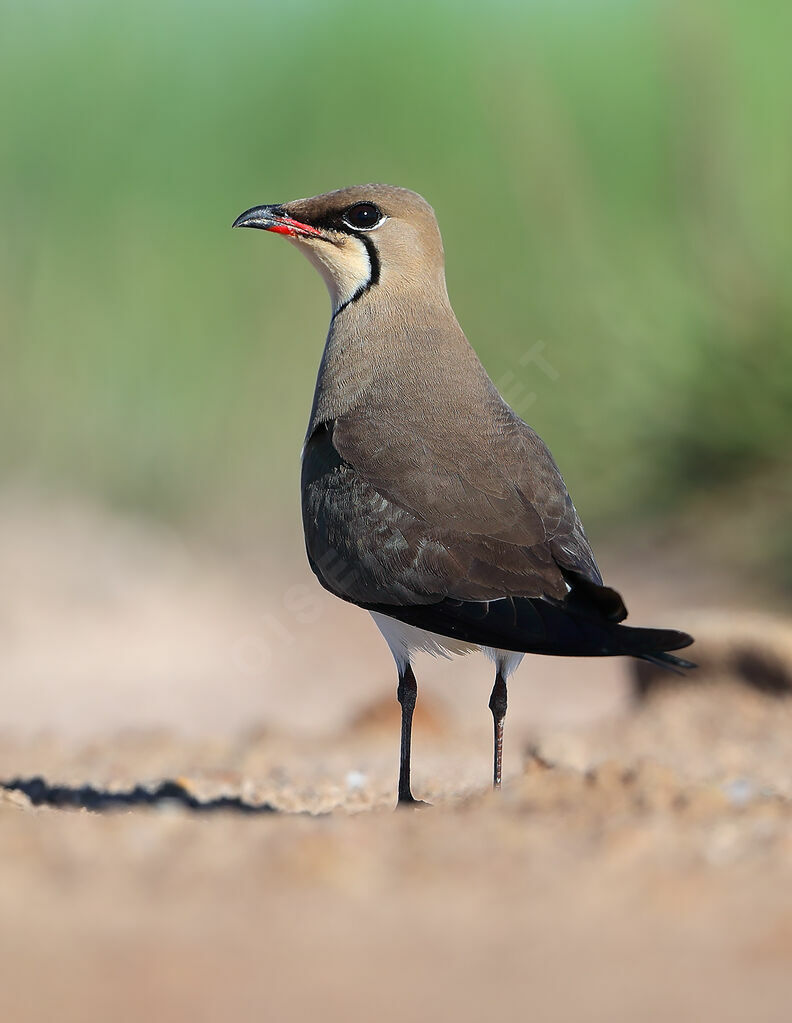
{"x":257,"y":216}
{"x":243,"y":220}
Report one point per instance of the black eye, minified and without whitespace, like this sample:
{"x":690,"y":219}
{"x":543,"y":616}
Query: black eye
{"x":362,"y":215}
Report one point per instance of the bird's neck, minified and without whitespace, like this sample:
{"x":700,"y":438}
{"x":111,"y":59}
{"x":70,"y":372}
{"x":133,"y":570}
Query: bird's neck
{"x":412,"y":357}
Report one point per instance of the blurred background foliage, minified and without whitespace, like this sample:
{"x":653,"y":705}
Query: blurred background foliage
{"x":612,"y":179}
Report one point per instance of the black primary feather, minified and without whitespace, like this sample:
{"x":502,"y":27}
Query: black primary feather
{"x":534,"y":625}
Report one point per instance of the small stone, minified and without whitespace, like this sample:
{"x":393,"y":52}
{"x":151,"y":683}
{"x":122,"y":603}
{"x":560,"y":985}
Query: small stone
{"x":355,"y":780}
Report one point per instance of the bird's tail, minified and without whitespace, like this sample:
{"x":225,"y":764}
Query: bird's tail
{"x":653,"y":645}
{"x":668,"y":661}
{"x":533,"y":625}
{"x":593,"y":600}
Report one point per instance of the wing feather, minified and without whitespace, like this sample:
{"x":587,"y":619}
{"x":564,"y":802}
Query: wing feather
{"x":398,"y":527}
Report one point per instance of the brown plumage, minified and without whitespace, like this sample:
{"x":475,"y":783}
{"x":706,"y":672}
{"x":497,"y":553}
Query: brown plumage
{"x":426,"y":499}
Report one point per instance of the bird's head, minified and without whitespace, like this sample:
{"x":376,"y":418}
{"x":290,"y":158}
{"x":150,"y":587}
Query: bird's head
{"x":362,"y":239}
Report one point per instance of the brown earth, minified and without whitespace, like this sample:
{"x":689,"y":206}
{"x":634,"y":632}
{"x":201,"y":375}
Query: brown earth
{"x":636,"y":866}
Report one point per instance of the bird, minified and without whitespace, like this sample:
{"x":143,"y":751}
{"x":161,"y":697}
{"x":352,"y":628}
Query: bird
{"x":426,"y":500}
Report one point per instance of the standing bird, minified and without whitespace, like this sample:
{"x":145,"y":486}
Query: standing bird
{"x":426,"y":500}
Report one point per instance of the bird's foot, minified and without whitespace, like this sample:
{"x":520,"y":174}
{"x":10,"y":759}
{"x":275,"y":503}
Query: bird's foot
{"x":409,"y":803}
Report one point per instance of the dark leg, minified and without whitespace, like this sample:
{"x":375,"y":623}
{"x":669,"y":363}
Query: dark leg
{"x":497,"y":705}
{"x":407,"y":693}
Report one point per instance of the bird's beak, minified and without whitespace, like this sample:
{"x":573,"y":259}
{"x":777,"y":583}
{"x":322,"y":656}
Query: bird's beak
{"x":274,"y":218}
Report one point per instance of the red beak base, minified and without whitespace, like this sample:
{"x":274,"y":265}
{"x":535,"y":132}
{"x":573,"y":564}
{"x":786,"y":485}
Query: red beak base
{"x":272,"y":218}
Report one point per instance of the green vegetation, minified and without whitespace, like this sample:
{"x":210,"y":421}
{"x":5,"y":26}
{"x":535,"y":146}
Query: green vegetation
{"x":612,"y":179}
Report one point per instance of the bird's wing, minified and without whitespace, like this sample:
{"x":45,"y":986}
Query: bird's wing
{"x":367,"y":547}
{"x":401,"y":521}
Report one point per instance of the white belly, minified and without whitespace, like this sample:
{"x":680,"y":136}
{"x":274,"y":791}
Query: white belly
{"x":405,"y":640}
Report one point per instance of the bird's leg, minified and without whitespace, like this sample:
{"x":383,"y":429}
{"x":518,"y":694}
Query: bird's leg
{"x":407,"y":694}
{"x":497,"y":705}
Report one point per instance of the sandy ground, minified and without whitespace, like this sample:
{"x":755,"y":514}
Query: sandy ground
{"x":636,"y":866}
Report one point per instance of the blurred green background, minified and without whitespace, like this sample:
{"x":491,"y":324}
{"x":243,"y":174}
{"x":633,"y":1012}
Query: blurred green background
{"x":612,"y":179}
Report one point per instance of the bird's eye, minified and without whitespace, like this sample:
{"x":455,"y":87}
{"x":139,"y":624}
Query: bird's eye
{"x":362,"y":216}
